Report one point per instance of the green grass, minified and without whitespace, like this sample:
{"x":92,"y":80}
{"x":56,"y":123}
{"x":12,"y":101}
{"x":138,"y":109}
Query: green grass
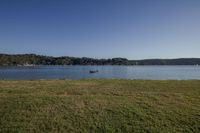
{"x":100,"y":106}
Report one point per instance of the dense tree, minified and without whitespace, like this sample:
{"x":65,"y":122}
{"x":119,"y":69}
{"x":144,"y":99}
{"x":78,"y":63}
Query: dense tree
{"x":27,"y":59}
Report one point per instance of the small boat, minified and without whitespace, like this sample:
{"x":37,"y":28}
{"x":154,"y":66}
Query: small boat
{"x":92,"y":71}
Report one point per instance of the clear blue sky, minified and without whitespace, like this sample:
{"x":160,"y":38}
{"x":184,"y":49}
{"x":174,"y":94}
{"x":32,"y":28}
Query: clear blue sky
{"x":134,"y":29}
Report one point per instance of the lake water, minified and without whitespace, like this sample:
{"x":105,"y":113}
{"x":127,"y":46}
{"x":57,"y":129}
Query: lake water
{"x":108,"y":72}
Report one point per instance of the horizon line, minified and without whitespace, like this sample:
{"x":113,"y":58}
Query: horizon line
{"x":2,"y":53}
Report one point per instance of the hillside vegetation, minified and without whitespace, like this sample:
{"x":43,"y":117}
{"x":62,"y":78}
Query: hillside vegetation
{"x":27,"y":59}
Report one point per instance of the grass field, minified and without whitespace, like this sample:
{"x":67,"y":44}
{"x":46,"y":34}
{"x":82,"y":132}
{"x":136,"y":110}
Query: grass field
{"x":100,"y":106}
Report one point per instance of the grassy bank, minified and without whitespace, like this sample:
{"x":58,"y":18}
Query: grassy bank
{"x":99,"y":106}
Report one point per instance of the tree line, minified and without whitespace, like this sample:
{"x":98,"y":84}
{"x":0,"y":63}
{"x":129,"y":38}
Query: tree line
{"x":33,"y":59}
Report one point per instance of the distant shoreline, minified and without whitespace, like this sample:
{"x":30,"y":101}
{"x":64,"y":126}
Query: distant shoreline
{"x":34,"y":60}
{"x":87,"y":65}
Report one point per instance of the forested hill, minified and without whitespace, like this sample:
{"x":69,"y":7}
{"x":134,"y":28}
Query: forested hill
{"x":32,"y":59}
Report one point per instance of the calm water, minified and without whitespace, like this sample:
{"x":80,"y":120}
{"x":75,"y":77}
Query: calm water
{"x":114,"y":72}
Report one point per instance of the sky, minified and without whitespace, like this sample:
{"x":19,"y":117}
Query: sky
{"x":133,"y":29}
